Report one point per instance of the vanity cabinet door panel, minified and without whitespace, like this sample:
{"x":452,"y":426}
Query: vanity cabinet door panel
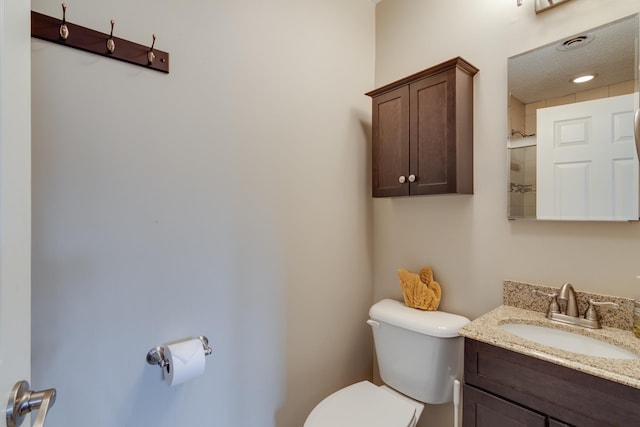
{"x":481,"y":409}
{"x":390,"y":148}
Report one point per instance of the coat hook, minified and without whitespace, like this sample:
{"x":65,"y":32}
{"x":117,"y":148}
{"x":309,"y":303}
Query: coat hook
{"x":150,"y":55}
{"x":64,"y":30}
{"x":111,"y":45}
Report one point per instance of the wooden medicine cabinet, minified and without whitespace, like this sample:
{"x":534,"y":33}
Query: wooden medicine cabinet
{"x":423,"y":132}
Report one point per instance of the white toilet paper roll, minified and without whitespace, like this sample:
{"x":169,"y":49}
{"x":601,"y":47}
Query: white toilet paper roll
{"x":186,"y":361}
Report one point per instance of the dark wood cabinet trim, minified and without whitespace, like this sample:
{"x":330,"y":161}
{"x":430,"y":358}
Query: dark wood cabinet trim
{"x":455,"y":62}
{"x":464,"y":136}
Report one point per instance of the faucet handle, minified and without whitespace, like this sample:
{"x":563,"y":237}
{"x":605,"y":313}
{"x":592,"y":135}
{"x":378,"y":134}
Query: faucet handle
{"x":553,"y":304}
{"x":592,"y":314}
{"x":544,"y":294}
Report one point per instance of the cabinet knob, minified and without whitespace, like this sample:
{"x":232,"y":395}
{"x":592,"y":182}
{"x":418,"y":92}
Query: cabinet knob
{"x":402,"y":179}
{"x":412,"y":178}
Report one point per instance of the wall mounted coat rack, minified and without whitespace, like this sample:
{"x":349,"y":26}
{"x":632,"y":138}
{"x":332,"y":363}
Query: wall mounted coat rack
{"x":65,"y":33}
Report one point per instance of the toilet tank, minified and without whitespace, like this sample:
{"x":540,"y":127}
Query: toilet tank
{"x":420,"y":353}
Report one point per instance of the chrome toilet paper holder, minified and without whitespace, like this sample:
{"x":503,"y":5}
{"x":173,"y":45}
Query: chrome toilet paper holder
{"x":155,"y":356}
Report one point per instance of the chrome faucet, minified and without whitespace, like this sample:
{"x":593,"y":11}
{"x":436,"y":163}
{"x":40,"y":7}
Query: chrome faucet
{"x":571,"y":314}
{"x":568,"y":294}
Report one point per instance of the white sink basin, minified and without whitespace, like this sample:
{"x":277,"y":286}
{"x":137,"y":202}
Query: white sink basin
{"x":568,"y":341}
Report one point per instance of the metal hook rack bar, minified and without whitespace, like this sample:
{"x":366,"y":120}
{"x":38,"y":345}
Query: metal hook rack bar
{"x":155,"y":356}
{"x":48,"y":28}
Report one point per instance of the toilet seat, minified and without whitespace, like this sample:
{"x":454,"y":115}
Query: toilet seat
{"x":364,"y":405}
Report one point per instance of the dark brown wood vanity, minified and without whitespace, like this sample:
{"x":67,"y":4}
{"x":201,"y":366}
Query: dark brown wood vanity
{"x":504,"y":388}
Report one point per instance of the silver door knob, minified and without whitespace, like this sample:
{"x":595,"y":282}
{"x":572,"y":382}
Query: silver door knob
{"x":412,"y":178}
{"x":402,"y":179}
{"x":22,"y":401}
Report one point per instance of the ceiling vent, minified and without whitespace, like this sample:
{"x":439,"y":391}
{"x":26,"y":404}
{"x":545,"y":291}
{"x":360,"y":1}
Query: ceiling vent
{"x":575,"y":42}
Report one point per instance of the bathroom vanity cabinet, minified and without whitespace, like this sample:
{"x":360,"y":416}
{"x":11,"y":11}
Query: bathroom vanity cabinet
{"x":504,"y":388}
{"x":423,"y":132}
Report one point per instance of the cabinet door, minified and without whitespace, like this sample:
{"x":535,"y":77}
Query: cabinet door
{"x":432,"y":134}
{"x":390,"y":153}
{"x":481,"y":409}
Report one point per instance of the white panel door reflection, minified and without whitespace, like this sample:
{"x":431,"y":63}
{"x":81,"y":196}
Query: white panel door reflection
{"x":587,"y":165}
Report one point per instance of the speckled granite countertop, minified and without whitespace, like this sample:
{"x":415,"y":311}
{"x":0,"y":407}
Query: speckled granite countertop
{"x":486,"y":329}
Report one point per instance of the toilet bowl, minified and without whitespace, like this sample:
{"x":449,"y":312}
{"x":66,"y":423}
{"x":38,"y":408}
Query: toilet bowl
{"x":420,"y":357}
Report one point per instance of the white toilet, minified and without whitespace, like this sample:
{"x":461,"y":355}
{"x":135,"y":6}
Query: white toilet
{"x":420,"y":355}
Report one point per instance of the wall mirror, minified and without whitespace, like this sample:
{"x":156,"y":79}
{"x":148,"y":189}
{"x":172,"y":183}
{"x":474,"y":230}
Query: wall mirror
{"x":571,"y":147}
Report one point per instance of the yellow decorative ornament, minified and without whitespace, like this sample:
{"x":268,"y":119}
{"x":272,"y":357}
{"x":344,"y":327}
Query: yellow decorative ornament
{"x":420,"y":290}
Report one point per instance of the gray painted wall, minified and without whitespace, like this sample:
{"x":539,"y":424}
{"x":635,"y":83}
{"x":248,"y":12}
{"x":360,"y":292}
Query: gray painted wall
{"x":228,"y":198}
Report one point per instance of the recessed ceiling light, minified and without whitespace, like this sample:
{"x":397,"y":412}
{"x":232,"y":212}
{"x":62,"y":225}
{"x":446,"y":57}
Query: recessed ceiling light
{"x":584,"y":78}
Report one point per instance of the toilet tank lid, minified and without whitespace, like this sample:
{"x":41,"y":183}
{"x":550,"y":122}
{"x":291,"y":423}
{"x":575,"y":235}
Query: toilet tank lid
{"x":434,"y":323}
